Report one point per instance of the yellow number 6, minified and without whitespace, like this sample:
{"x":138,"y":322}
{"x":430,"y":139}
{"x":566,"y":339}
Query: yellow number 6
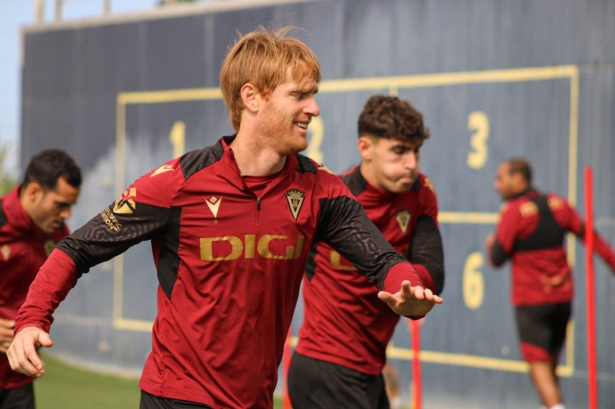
{"x":473,"y":282}
{"x":478,"y":122}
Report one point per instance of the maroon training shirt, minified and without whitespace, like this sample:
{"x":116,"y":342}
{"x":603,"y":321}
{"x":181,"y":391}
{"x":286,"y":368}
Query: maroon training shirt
{"x":344,"y":321}
{"x":229,"y":263}
{"x":531,"y":232}
{"x":23,"y":250}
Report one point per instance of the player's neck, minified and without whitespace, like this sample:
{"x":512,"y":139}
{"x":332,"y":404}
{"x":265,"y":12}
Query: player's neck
{"x":255,"y":159}
{"x":367,"y":171}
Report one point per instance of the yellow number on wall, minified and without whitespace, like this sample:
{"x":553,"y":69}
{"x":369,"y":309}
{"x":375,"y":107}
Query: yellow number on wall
{"x":178,"y":138}
{"x":479,"y":123}
{"x":316,"y":132}
{"x":473,"y":282}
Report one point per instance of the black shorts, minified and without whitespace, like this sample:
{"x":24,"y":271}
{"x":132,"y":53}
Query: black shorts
{"x":314,"y":384}
{"x":542,"y":330}
{"x":149,"y":401}
{"x":18,"y":398}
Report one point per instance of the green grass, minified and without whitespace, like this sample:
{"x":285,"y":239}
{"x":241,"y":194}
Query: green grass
{"x":67,"y":387}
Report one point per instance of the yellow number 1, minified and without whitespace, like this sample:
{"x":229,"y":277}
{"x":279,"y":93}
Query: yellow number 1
{"x":178,"y":138}
{"x":478,"y":122}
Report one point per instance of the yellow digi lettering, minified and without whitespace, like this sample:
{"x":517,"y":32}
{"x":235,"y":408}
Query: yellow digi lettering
{"x":207,"y":248}
{"x":263,"y":245}
{"x":336,"y":261}
{"x":249,"y":247}
{"x":299,"y":247}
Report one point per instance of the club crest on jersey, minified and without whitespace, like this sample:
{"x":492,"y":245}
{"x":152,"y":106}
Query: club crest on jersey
{"x":49,"y":246}
{"x":6,"y":251}
{"x":295,"y":201}
{"x":403,"y":220}
{"x":125,"y":204}
{"x":214,"y":205}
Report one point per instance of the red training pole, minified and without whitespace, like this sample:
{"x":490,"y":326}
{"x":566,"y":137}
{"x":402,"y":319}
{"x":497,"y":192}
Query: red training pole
{"x":415,"y":333}
{"x":591,"y":300}
{"x":287,"y":351}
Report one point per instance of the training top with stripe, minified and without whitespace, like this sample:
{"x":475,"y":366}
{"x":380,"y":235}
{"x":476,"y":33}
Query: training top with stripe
{"x":229,"y":264}
{"x":531,"y":233}
{"x":23,"y":250}
{"x":344,"y":321}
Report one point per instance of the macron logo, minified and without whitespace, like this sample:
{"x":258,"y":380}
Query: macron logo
{"x":162,"y":169}
{"x":214,"y":205}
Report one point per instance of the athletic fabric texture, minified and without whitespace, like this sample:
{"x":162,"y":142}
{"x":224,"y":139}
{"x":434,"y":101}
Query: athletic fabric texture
{"x":542,"y":330}
{"x":23,"y":250}
{"x":316,"y":384}
{"x":344,"y":321}
{"x":229,"y":263}
{"x":18,"y":398}
{"x":149,"y":401}
{"x":531,"y":233}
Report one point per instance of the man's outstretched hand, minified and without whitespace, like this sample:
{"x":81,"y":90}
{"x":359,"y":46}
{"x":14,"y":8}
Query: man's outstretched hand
{"x":22,"y":354}
{"x":411,"y":301}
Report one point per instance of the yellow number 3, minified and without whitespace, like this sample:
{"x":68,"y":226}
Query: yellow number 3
{"x":479,"y":123}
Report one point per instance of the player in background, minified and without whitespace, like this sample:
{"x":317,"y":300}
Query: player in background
{"x":31,"y":223}
{"x":346,"y":328}
{"x":230,"y":226}
{"x":531,"y":234}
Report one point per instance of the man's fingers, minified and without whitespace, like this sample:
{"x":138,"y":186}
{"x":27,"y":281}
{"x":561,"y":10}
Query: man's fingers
{"x":25,"y":360}
{"x":44,"y":340}
{"x":384,"y":296}
{"x":22,"y":354}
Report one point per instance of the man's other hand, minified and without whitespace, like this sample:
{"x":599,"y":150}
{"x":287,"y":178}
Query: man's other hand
{"x":22,"y":354}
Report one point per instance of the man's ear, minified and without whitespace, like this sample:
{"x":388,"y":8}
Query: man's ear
{"x":32,"y":193}
{"x":518,"y":182}
{"x":250,"y":97}
{"x":364,"y":145}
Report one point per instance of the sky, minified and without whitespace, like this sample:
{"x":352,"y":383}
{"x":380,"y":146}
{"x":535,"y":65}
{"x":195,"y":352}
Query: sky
{"x":15,"y":14}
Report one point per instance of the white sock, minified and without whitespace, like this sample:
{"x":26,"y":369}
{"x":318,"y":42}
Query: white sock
{"x":558,"y":406}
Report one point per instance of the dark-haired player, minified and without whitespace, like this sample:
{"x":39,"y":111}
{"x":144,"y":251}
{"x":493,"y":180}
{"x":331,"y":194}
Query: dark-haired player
{"x":346,"y":328}
{"x":31,"y":223}
{"x":531,"y":233}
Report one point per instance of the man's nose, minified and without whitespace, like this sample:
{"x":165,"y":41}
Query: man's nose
{"x":412,"y":160}
{"x":312,"y":108}
{"x":65,"y":213}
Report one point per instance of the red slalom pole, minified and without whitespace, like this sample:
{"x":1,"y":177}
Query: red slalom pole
{"x":415,"y":333}
{"x":591,"y":297}
{"x":287,"y":352}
